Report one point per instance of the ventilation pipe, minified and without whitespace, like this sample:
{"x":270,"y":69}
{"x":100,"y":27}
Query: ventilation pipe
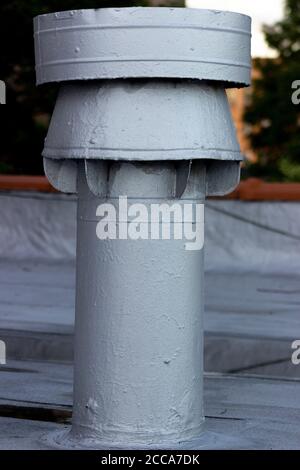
{"x":141,"y":121}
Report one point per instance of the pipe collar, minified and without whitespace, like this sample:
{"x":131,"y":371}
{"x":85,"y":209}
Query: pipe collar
{"x":143,"y":42}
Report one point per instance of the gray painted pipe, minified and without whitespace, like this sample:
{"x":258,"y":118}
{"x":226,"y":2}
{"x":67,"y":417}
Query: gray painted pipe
{"x":146,"y":117}
{"x":138,"y":334}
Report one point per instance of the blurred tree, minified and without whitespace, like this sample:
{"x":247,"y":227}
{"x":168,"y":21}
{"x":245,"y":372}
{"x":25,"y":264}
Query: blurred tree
{"x":25,"y":118}
{"x":274,"y":120}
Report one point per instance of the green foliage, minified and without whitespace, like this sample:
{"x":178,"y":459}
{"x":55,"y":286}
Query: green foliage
{"x":290,"y":170}
{"x":274,"y":119}
{"x":24,"y":120}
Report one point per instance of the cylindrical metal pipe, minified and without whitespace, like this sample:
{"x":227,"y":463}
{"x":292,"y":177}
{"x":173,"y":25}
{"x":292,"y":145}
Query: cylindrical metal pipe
{"x":148,"y":86}
{"x":139,"y":336}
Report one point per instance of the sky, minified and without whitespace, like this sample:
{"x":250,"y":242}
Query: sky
{"x":261,"y":11}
